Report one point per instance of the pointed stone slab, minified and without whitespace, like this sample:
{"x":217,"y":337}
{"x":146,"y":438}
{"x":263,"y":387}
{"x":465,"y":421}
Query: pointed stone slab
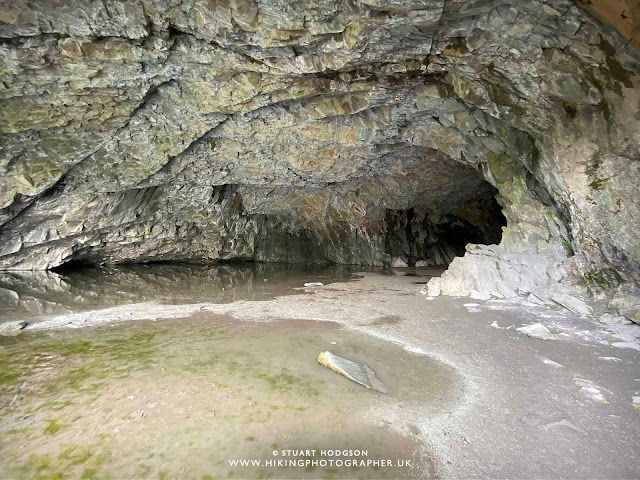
{"x":354,"y":371}
{"x":572,"y":303}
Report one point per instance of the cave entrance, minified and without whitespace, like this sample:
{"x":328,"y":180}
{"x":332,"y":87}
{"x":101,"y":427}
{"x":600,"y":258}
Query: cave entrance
{"x":419,"y":237}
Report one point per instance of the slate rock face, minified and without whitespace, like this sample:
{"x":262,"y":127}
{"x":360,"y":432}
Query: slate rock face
{"x":348,"y":132}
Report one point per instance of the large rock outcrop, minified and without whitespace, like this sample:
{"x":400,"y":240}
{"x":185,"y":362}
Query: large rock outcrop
{"x":321,"y":131}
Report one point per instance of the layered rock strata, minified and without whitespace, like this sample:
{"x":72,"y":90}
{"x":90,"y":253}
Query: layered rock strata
{"x":348,"y":132}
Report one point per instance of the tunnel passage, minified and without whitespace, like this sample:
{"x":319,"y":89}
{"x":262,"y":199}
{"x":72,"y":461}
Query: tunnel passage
{"x":423,"y":209}
{"x":420,"y":239}
{"x":419,"y":205}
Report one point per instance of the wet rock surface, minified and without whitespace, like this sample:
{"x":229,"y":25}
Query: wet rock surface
{"x":357,"y":372}
{"x":351,"y":132}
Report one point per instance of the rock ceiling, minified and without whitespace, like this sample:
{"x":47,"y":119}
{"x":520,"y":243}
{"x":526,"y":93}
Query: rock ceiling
{"x":306,"y":130}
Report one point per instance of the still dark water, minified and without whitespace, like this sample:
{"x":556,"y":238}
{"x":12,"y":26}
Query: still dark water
{"x":25,"y":295}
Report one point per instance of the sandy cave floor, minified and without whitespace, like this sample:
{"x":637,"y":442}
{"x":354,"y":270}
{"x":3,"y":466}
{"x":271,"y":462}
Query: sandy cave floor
{"x":470,"y":396}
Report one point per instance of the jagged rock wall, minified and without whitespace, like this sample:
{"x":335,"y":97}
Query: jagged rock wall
{"x":140,"y":130}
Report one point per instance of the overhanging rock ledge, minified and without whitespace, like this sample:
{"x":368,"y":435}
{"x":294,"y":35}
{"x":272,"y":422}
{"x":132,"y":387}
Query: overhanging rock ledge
{"x":350,"y":132}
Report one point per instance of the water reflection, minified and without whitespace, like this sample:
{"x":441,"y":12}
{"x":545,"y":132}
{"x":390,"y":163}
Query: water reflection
{"x":28,"y":294}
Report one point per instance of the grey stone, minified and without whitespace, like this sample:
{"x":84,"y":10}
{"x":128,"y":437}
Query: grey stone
{"x":434,"y":287}
{"x":572,"y":303}
{"x":355,"y":371}
{"x":399,"y":263}
{"x":479,"y":296}
{"x":633,"y":314}
{"x":535,"y":299}
{"x":10,"y":329}
{"x":536,"y":330}
{"x":623,"y":301}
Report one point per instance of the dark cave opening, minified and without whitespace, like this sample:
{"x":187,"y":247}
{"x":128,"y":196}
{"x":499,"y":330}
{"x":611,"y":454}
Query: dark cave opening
{"x":417,"y":237}
{"x":73,"y":265}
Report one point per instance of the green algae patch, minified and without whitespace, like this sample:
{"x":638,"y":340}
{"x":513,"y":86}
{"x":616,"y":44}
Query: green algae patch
{"x":89,"y":474}
{"x":142,"y":399}
{"x":10,"y":371}
{"x":53,"y":427}
{"x":501,"y":167}
{"x":73,"y":461}
{"x":602,"y":278}
{"x":597,"y":184}
{"x":75,"y":458}
{"x":55,"y":361}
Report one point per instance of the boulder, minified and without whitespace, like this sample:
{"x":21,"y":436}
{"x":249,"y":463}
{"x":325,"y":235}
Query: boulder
{"x":399,"y":263}
{"x":633,"y":314}
{"x":536,"y":330}
{"x":8,"y":299}
{"x":434,"y":287}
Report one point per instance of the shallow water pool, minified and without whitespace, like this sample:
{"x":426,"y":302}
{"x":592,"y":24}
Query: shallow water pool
{"x":186,"y":398}
{"x":206,"y":396}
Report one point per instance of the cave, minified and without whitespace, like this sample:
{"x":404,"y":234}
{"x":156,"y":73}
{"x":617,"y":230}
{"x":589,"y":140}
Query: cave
{"x":202,"y":195}
{"x":418,"y":241}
